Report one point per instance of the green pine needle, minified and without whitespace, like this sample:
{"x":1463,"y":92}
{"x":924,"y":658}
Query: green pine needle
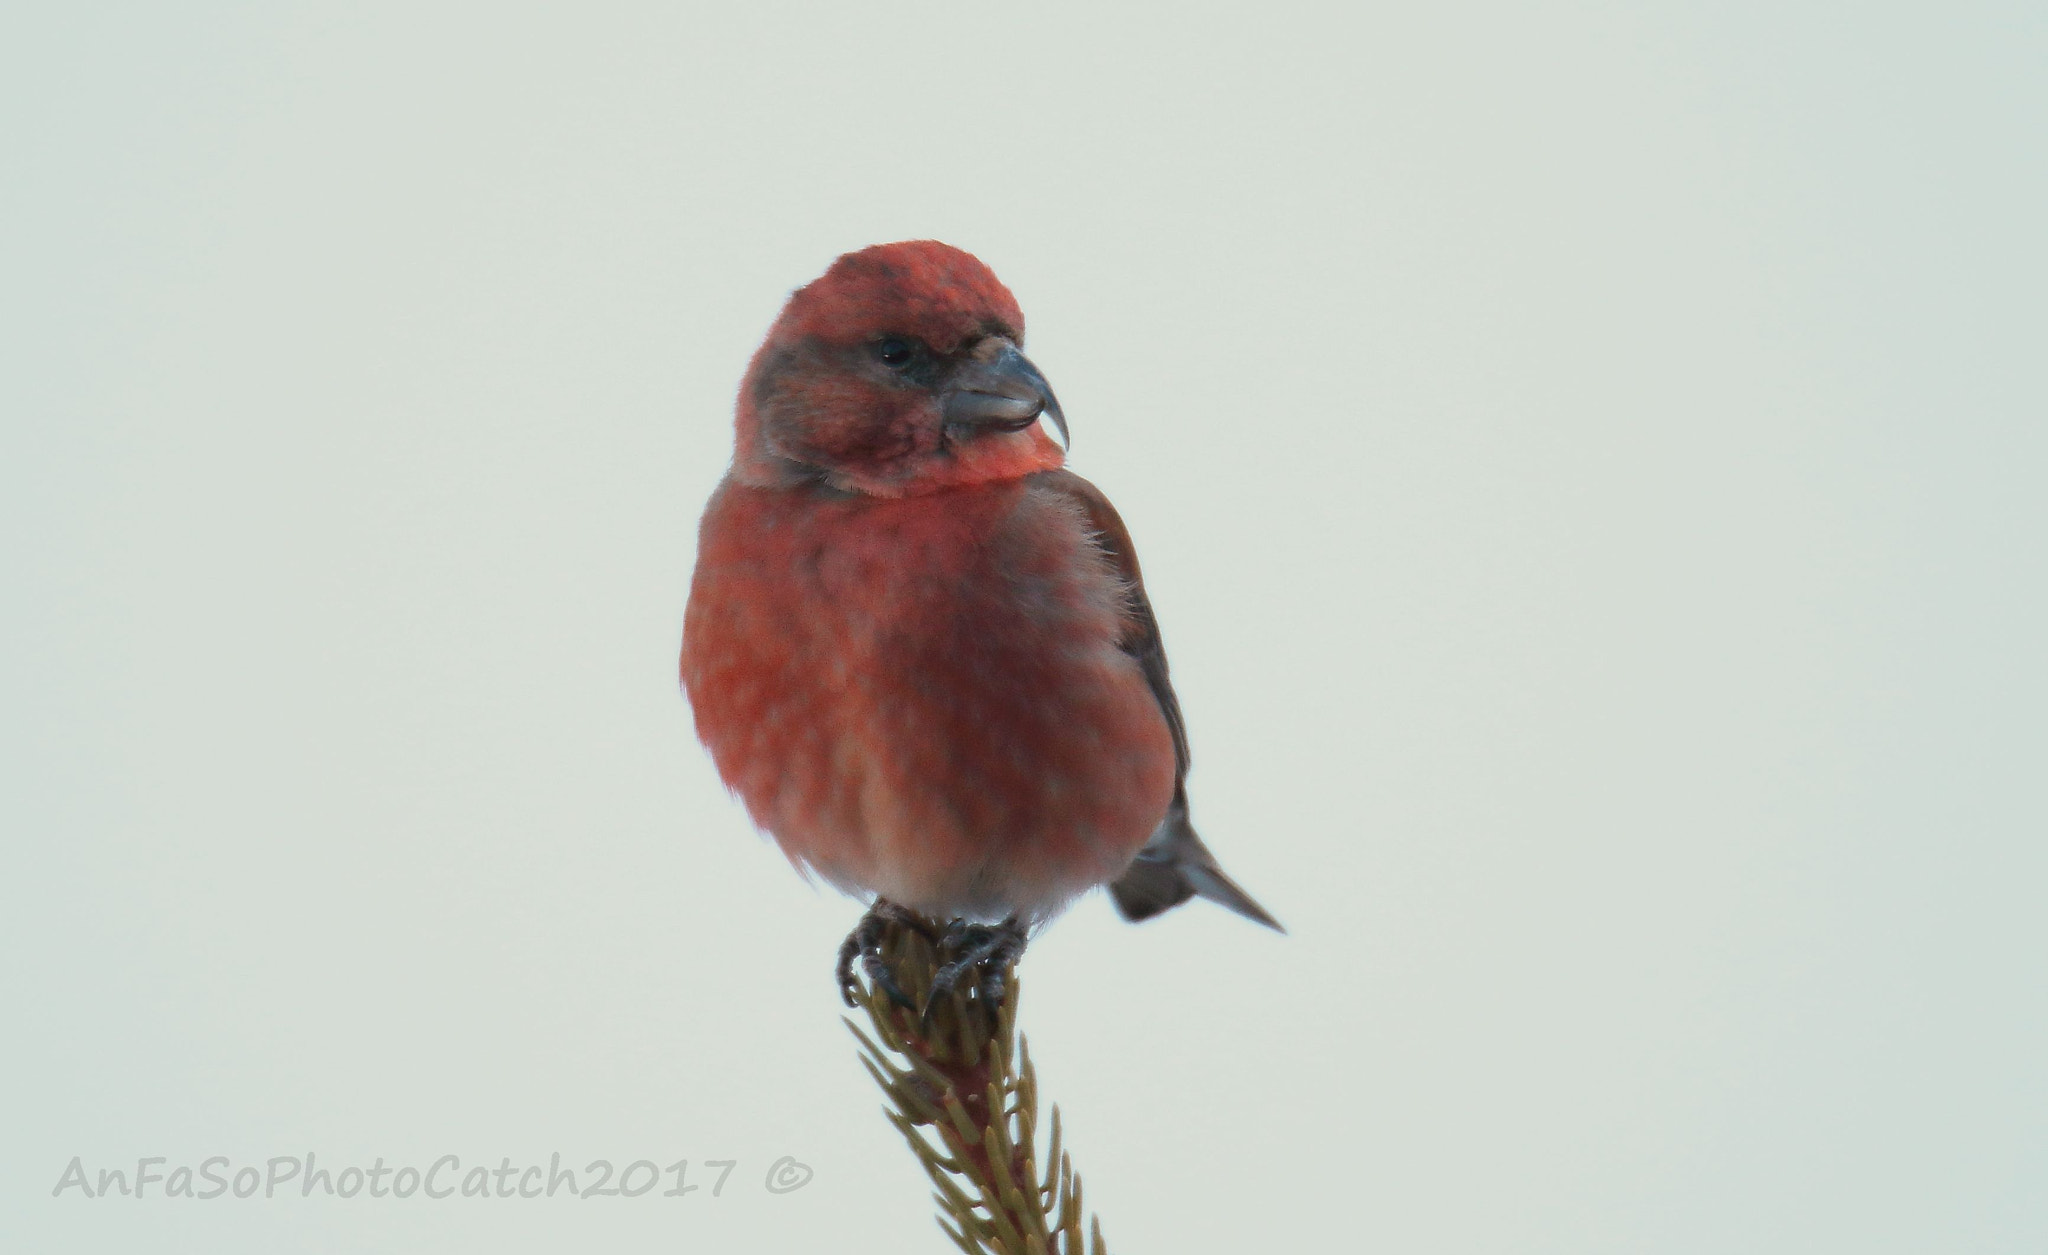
{"x":963,"y":1093}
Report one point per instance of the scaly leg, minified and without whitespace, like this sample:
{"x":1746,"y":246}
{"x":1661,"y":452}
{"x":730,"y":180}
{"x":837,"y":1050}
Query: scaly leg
{"x":991,"y":947}
{"x":865,"y":943}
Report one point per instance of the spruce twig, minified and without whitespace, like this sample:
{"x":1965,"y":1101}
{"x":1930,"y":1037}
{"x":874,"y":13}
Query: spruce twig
{"x":963,"y":1093}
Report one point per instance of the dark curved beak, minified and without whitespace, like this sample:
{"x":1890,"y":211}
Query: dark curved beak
{"x":999,"y":389}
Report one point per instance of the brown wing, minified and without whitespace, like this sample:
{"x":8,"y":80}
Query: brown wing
{"x":1174,"y":865}
{"x":1141,"y":639}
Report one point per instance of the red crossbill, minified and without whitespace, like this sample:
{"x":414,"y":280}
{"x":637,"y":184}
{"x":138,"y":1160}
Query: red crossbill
{"x":917,"y":647}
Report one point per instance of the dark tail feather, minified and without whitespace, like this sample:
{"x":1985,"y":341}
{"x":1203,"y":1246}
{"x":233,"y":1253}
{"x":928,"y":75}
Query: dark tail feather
{"x":1175,"y":866}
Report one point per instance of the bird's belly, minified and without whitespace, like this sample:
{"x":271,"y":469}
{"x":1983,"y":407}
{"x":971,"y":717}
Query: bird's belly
{"x":925,"y":700}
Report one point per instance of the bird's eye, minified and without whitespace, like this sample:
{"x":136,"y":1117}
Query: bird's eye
{"x":894,"y":351}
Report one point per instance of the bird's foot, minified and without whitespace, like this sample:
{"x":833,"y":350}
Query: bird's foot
{"x":865,"y":944}
{"x":990,"y":947}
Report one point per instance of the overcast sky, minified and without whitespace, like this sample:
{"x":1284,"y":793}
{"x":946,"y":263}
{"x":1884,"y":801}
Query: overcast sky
{"x":1588,"y":464}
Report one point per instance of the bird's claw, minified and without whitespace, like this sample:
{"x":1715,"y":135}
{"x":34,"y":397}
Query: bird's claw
{"x":865,"y":944}
{"x":990,"y":947}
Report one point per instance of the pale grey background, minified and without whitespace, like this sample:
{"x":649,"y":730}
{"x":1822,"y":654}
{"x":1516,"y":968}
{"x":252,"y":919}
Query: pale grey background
{"x":1587,"y":459}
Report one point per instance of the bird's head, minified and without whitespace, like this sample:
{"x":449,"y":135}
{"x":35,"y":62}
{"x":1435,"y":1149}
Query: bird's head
{"x":896,"y":372}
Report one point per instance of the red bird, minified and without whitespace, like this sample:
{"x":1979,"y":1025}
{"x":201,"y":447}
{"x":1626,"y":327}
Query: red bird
{"x":918,"y":649}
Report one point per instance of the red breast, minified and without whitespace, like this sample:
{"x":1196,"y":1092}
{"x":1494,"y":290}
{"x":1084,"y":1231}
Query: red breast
{"x":923,"y":697}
